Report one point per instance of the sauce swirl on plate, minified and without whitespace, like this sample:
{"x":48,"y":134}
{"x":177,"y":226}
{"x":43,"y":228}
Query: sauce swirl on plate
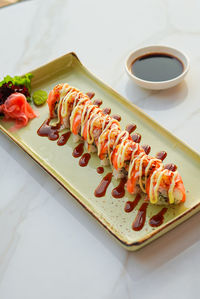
{"x":102,"y":187}
{"x":130,"y":128}
{"x":158,"y":219}
{"x":161,"y":155}
{"x":63,"y":139}
{"x":130,"y":205}
{"x":77,"y":152}
{"x":100,"y":169}
{"x":84,"y":160}
{"x":46,"y":130}
{"x":119,"y":191}
{"x":140,"y":219}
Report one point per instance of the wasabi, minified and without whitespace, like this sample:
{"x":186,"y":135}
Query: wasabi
{"x":39,"y":97}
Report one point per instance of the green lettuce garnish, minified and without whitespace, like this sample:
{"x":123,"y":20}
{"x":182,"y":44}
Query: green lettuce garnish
{"x":10,"y":85}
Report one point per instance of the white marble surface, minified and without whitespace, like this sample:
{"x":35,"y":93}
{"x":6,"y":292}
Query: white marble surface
{"x":49,"y":245}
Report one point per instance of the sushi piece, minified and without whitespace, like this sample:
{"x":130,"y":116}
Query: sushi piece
{"x":115,"y":147}
{"x":161,"y":185}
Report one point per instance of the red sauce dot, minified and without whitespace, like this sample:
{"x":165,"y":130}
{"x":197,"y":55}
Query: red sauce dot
{"x":130,"y":205}
{"x":106,"y":110}
{"x":116,"y":116}
{"x":97,"y":102}
{"x":84,"y":160}
{"x":140,"y":218}
{"x":90,"y":94}
{"x":136,"y":137}
{"x":146,"y":148}
{"x":158,"y":219}
{"x":77,"y":152}
{"x":46,"y":130}
{"x":130,"y":128}
{"x":63,"y":138}
{"x":100,"y":170}
{"x":161,"y":155}
{"x":119,"y":191}
{"x":102,"y":187}
{"x":171,"y":167}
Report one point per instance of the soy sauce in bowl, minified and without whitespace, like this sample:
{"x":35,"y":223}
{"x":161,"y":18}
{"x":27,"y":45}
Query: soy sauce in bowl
{"x":157,"y":67}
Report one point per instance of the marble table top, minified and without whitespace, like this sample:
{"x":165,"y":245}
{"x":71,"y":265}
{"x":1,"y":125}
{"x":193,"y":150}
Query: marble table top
{"x":49,"y":245}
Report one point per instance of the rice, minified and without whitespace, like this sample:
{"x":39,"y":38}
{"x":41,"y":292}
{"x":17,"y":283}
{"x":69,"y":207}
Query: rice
{"x":76,"y":138}
{"x":105,"y":162}
{"x":91,"y":148}
{"x":178,"y":196}
{"x":118,"y":174}
{"x":66,"y":122}
{"x":163,"y":196}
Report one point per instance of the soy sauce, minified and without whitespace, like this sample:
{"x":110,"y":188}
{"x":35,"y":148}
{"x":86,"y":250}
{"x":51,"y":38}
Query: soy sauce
{"x":157,"y":67}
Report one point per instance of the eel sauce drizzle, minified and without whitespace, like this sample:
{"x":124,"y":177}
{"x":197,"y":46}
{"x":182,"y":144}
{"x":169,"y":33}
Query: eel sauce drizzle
{"x":170,"y":166}
{"x":97,"y":102}
{"x":158,"y":219}
{"x":131,"y":128}
{"x":116,"y":116}
{"x":84,"y":159}
{"x":136,"y":137}
{"x":146,"y":148}
{"x":100,"y":191}
{"x":140,"y":218}
{"x":63,"y":139}
{"x":130,"y":205}
{"x":119,"y":191}
{"x":52,"y":132}
{"x":46,"y":130}
{"x":100,"y":170}
{"x":106,"y":110}
{"x":90,"y":95}
{"x":78,"y":150}
{"x":161,"y":155}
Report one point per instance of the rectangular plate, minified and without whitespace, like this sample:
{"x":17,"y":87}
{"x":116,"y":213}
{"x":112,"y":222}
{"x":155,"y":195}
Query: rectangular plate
{"x":81,"y":182}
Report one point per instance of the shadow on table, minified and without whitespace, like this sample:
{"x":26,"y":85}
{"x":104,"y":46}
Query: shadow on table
{"x":164,"y":249}
{"x":156,"y":99}
{"x":135,"y":264}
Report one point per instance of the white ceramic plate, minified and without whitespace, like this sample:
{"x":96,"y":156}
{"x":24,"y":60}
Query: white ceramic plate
{"x":157,"y":49}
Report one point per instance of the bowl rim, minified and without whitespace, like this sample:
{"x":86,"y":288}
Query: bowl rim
{"x":150,"y":49}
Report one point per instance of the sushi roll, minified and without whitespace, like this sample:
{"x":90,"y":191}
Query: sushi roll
{"x":161,"y":185}
{"x":122,"y":153}
{"x":102,"y":134}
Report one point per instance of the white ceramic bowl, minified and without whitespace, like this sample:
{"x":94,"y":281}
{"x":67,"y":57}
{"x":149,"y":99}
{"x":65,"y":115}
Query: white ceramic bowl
{"x":157,"y":49}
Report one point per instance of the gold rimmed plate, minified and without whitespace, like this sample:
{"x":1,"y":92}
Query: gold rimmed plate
{"x":82,"y":181}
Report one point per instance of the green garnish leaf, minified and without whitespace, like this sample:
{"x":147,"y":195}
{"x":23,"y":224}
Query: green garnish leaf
{"x":14,"y":84}
{"x":39,"y":97}
{"x":19,"y":80}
